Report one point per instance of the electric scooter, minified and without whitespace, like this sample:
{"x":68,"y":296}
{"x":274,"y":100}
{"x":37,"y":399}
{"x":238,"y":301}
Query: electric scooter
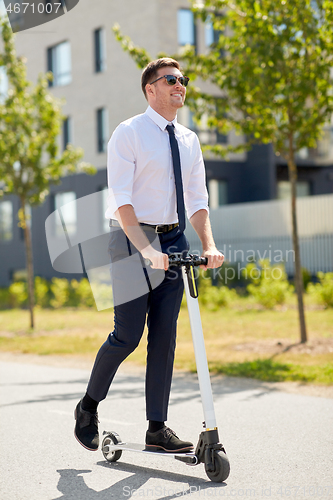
{"x":208,"y":450}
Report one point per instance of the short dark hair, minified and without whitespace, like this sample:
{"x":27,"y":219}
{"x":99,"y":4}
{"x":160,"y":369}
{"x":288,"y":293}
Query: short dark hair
{"x":150,"y":71}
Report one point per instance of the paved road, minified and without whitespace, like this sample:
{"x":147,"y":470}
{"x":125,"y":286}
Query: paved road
{"x":280,"y":445}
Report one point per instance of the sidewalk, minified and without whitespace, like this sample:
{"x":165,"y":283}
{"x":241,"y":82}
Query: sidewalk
{"x":279,"y":444}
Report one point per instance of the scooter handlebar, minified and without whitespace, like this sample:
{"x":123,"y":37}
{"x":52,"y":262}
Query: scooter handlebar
{"x":190,"y":260}
{"x":201,"y":261}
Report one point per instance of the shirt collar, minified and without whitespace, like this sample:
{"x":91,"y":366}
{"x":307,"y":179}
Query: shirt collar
{"x":159,"y":119}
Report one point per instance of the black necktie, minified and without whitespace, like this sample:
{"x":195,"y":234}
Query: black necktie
{"x":178,"y":176}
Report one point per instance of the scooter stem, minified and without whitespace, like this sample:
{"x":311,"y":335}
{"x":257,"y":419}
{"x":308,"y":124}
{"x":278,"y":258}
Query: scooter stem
{"x":200,"y":357}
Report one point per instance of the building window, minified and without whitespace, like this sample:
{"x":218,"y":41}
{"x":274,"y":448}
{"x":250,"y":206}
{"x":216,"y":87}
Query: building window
{"x":59,"y":62}
{"x":102,"y":129}
{"x":3,"y":84}
{"x":6,"y":220}
{"x":218,"y":193}
{"x":67,"y":132}
{"x":211,"y":35}
{"x":284,"y":189}
{"x":66,"y":202}
{"x":100,"y":50}
{"x":186,"y":27}
{"x":221,"y":138}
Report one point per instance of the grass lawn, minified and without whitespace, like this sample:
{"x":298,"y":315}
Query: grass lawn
{"x":240,"y":341}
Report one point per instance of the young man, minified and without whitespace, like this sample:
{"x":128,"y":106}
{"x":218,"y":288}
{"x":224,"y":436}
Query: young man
{"x":154,"y":166}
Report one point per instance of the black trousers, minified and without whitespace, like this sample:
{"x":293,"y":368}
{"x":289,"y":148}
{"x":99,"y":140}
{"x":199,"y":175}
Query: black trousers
{"x":160,"y":307}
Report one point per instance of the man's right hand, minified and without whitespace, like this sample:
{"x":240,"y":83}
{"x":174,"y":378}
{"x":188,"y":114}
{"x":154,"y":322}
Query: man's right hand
{"x":158,"y":259}
{"x":130,"y":225}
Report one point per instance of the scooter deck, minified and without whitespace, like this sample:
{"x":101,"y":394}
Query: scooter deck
{"x":191,"y":457}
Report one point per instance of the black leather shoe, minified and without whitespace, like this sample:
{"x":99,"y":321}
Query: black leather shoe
{"x":86,"y":428}
{"x":166,"y":440}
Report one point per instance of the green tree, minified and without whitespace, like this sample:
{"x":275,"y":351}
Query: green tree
{"x":30,"y":123}
{"x":271,"y":65}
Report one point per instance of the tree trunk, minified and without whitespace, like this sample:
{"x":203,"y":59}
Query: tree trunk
{"x":29,"y":262}
{"x":298,"y":270}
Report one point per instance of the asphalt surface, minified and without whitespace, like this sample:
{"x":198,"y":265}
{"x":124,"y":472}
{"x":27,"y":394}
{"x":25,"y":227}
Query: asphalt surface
{"x":279,"y":444}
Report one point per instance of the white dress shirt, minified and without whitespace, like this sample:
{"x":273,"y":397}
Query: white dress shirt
{"x":140,"y":170}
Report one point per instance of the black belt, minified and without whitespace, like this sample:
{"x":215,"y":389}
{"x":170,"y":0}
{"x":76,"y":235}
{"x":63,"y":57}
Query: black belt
{"x":165,"y":228}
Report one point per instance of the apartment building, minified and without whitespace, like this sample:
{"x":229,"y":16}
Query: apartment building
{"x":101,"y":87}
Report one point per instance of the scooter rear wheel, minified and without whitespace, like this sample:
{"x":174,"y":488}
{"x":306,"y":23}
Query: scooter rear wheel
{"x":111,"y":456}
{"x":222,"y":467}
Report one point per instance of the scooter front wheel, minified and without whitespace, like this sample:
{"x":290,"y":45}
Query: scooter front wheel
{"x":111,"y":456}
{"x":221,"y":467}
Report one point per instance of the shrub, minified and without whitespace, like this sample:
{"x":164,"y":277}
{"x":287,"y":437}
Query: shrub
{"x":73,"y":297}
{"x":18,"y":294}
{"x":323,"y":291}
{"x":103,"y":295}
{"x":5,"y":299}
{"x":269,"y":284}
{"x":213,"y":297}
{"x":306,"y":275}
{"x":228,"y":274}
{"x":42,"y":292}
{"x":82,"y":296}
{"x":57,"y":293}
{"x":60,"y":292}
{"x":71,"y":294}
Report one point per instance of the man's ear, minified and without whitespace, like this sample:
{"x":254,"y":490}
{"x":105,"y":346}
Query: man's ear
{"x":149,"y":89}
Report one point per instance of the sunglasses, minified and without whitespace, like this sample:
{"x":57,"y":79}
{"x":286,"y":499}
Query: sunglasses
{"x":172,"y":80}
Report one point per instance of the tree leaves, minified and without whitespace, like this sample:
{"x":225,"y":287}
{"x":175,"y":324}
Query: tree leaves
{"x":30,"y":124}
{"x":275,"y":71}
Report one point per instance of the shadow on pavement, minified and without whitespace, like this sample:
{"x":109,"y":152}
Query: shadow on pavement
{"x":72,"y":485}
{"x":184,"y":388}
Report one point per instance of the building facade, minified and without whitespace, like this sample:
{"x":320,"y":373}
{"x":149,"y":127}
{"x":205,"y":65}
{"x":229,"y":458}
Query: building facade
{"x":100,"y":85}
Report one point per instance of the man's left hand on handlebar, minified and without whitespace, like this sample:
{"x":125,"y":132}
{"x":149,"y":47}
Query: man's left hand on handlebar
{"x":215,"y":258}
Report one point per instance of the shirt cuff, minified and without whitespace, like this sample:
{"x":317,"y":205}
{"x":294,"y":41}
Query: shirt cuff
{"x":116,"y":201}
{"x":194,"y":208}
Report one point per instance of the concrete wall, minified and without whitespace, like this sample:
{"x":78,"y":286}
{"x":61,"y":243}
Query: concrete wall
{"x":264,"y":230}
